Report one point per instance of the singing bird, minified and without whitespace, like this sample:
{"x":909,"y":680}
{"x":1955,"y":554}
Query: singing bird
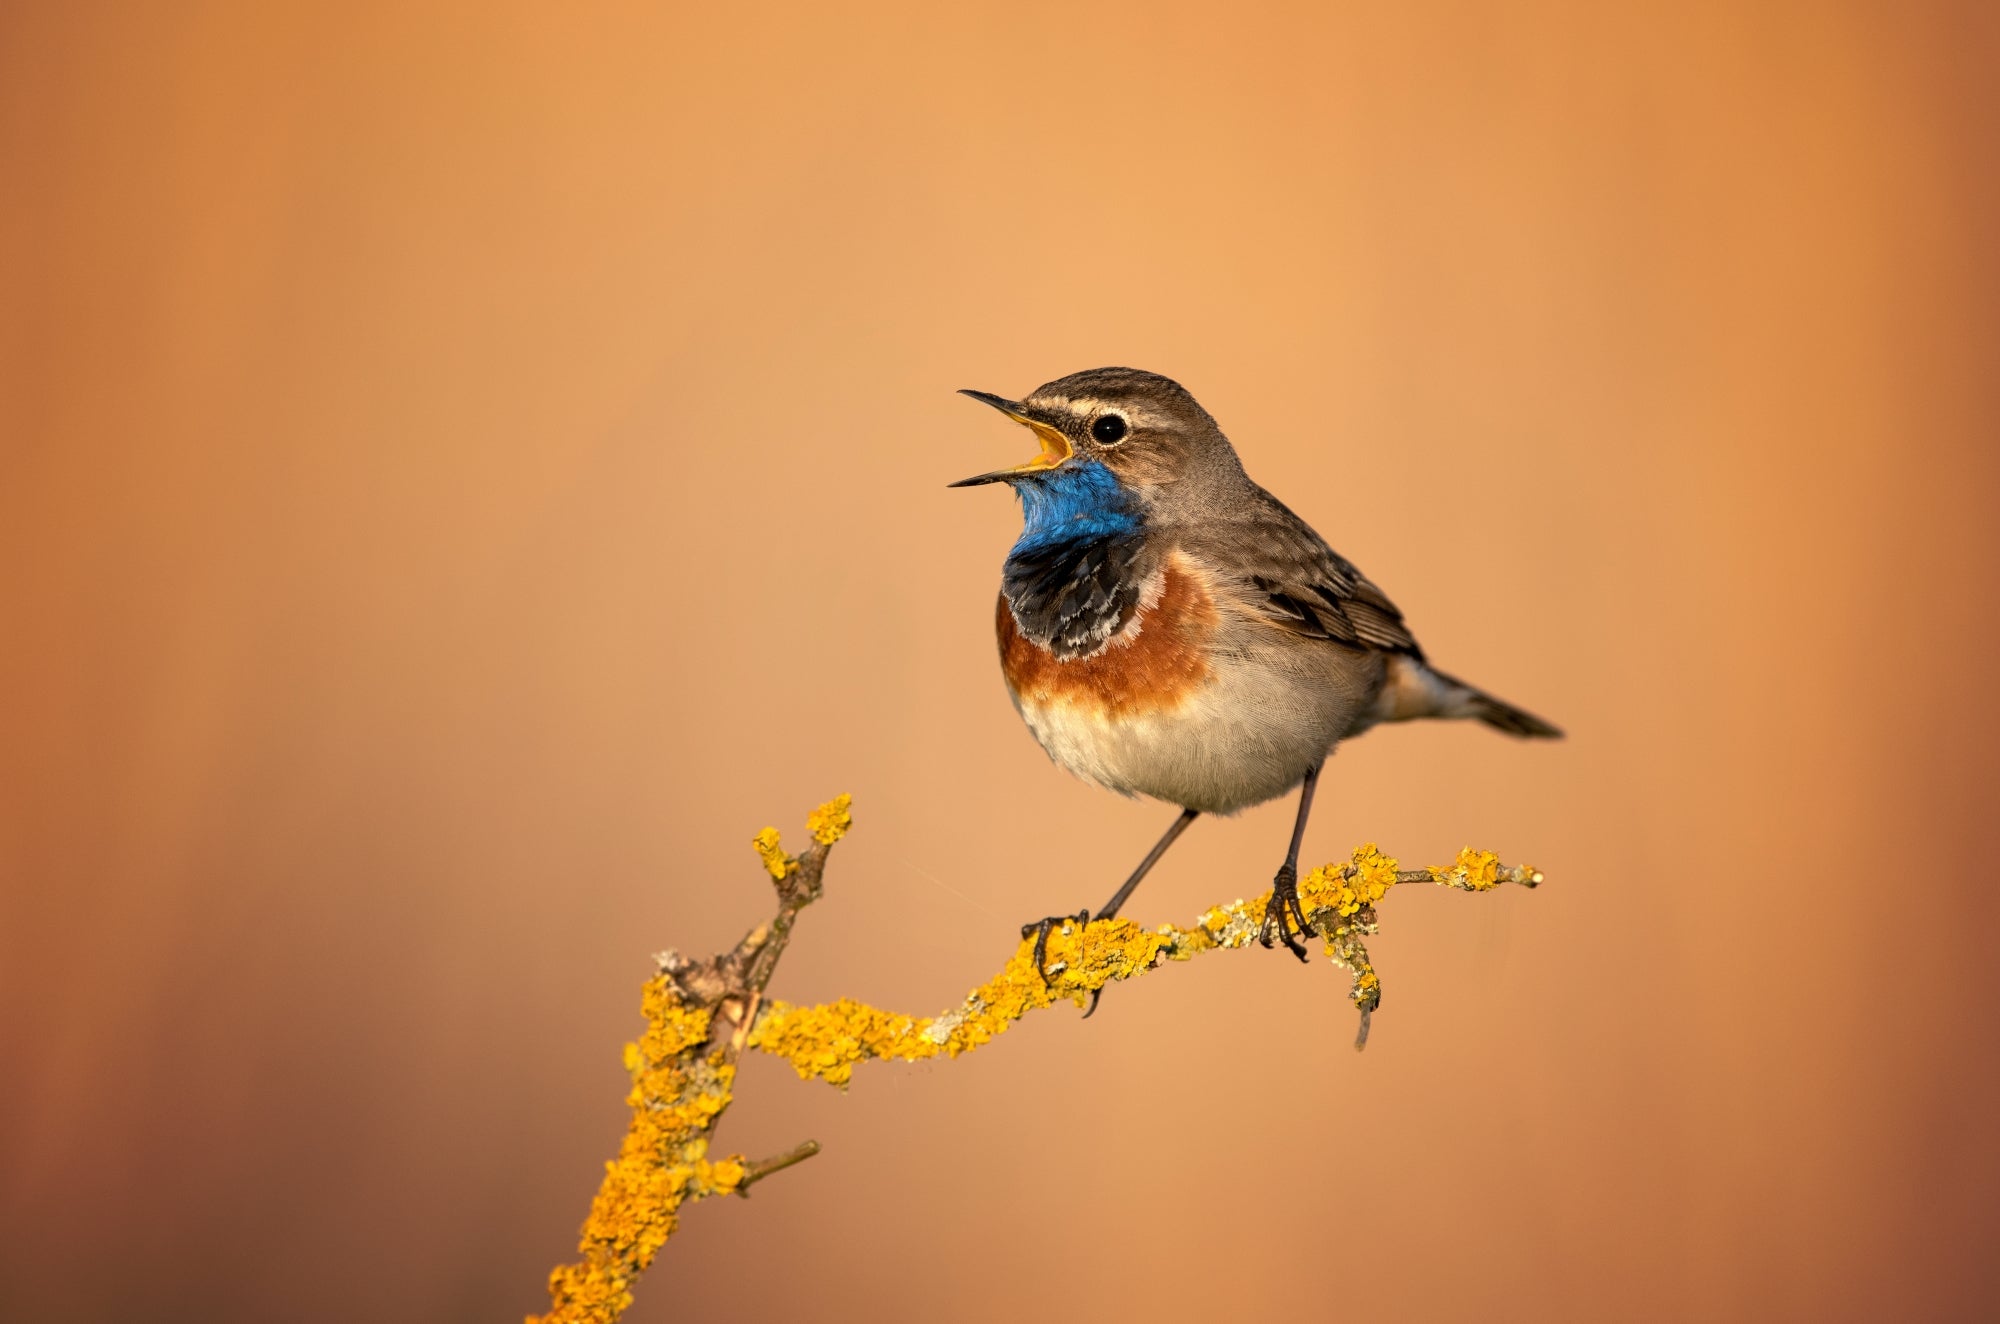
{"x":1170,"y":629}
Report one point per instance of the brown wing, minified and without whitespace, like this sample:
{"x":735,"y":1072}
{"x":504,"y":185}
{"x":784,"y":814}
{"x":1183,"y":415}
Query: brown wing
{"x":1288,"y":575}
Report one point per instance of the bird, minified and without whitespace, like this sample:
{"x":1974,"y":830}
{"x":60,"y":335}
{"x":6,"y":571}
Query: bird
{"x":1167,"y":628}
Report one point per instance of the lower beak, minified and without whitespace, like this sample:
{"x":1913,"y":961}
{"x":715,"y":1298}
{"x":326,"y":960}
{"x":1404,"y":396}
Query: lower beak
{"x":1055,"y":446}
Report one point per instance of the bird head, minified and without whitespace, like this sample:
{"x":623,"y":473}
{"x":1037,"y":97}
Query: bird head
{"x":1144,"y":429}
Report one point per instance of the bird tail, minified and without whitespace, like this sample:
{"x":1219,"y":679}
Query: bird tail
{"x":1468,"y":701}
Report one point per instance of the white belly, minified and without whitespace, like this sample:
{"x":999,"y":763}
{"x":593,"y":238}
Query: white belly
{"x":1247,"y":734}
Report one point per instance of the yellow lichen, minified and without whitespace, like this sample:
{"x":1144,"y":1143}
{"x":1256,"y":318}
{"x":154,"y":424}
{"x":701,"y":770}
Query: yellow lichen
{"x":830,"y":822}
{"x":776,"y":862}
{"x":682,"y":1081}
{"x":827,"y":1042}
{"x":676,"y":1096}
{"x":1374,"y":874}
{"x":1346,"y":888}
{"x":827,"y":824}
{"x":1324,"y":888}
{"x":1474,"y":870}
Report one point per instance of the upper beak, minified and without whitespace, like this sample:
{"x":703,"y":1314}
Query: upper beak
{"x":1055,"y":446}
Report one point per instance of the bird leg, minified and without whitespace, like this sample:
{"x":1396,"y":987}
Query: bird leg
{"x":1040,"y":928}
{"x":1119,"y":897}
{"x":1284,"y":910}
{"x":1124,"y":893}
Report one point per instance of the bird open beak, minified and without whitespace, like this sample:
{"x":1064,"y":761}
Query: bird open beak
{"x":1055,"y":446}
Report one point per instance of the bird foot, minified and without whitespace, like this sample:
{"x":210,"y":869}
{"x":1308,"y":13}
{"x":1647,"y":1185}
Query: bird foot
{"x":1040,"y":928}
{"x":1283,"y":913}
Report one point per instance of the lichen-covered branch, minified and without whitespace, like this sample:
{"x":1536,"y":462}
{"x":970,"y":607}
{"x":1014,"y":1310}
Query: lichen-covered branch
{"x":698,"y":1018}
{"x":701,"y":1015}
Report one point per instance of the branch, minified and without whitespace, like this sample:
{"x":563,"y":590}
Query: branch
{"x":701,"y":1015}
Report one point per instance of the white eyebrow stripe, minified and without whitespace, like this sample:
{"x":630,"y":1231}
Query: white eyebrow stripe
{"x":1088,"y":406}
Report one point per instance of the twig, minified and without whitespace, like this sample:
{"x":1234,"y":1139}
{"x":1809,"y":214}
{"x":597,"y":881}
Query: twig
{"x":701,"y":1015}
{"x":756,"y":1172}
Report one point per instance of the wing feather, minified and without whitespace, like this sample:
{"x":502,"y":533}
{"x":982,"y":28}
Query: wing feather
{"x":1287,"y":575}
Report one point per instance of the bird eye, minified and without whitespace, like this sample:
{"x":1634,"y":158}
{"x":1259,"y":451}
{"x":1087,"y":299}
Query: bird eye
{"x":1109,"y":429}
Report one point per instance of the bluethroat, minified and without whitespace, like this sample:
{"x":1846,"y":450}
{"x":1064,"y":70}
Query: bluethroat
{"x":1168,"y":628}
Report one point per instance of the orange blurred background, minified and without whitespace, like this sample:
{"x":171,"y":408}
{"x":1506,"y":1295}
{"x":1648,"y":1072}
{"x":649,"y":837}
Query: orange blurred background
{"x":466,"y":470}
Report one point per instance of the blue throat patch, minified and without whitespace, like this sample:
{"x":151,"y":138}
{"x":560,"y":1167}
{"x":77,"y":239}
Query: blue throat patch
{"x":1079,"y":500}
{"x":1071,"y":577}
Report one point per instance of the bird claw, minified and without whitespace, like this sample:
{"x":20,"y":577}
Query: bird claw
{"x":1282,"y":913}
{"x":1040,"y":928}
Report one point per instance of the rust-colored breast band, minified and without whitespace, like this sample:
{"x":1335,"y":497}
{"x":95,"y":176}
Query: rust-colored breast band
{"x":1150,"y":669}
